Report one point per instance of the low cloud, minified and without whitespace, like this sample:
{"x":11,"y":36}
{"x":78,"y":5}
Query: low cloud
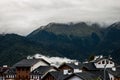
{"x":56,"y":61}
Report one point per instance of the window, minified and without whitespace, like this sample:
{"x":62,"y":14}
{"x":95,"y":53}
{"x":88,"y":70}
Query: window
{"x":19,"y":76}
{"x":111,"y":79}
{"x":107,"y":62}
{"x":99,"y":63}
{"x":103,"y":62}
{"x":7,"y":76}
{"x":111,"y":62}
{"x":69,"y":71}
{"x":22,"y":69}
{"x":26,"y":76}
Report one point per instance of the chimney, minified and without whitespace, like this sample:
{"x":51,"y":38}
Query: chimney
{"x":96,"y":57}
{"x":114,"y":68}
{"x":76,"y":63}
{"x":101,"y":56}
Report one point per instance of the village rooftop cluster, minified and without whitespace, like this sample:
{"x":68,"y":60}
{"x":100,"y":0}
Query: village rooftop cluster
{"x":100,"y":68}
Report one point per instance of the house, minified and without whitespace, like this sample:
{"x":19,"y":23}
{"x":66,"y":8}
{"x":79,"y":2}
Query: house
{"x":114,"y":73}
{"x":82,"y":76}
{"x":23,"y":68}
{"x":10,"y":74}
{"x":70,"y":66}
{"x":58,"y":75}
{"x":41,"y":71}
{"x":38,"y":69}
{"x":100,"y":74}
{"x":81,"y":66}
{"x":55,"y":75}
{"x":103,"y":61}
{"x":2,"y":70}
{"x":89,"y":67}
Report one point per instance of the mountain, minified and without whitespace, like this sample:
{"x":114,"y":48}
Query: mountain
{"x":73,"y":40}
{"x":78,"y":29}
{"x":70,"y":40}
{"x":14,"y":48}
{"x":79,"y":40}
{"x":110,"y":45}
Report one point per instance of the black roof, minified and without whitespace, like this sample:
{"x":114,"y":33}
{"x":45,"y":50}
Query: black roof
{"x":28,"y":62}
{"x":115,"y":73}
{"x":73,"y":65}
{"x":83,"y":75}
{"x":90,"y":66}
{"x":11,"y":71}
{"x":3,"y":69}
{"x":100,"y":74}
{"x":57,"y":75}
{"x":42,"y":70}
{"x":90,"y":75}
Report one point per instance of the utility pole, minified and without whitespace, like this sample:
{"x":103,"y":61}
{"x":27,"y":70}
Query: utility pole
{"x":105,"y":71}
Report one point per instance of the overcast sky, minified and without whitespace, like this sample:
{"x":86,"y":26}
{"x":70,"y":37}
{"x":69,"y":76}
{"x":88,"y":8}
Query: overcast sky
{"x":23,"y":16}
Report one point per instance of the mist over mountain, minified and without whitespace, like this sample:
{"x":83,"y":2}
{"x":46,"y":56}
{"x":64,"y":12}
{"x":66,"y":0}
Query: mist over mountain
{"x":73,"y":40}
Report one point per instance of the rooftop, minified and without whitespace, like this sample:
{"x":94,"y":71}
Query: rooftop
{"x":42,"y":70}
{"x":28,"y":62}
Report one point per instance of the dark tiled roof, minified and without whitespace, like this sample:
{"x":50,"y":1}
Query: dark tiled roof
{"x":3,"y":69}
{"x":11,"y":71}
{"x":75,"y":66}
{"x":115,"y":73}
{"x":57,"y":75}
{"x":83,"y":75}
{"x":100,"y":74}
{"x":91,"y":75}
{"x":90,"y":66}
{"x":72,"y":65}
{"x":28,"y":62}
{"x":42,"y":70}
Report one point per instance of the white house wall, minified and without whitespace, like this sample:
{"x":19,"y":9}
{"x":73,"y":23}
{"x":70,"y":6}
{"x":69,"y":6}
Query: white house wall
{"x":48,"y":71}
{"x":103,"y":65}
{"x":35,"y":77}
{"x":75,"y":78}
{"x":41,"y":63}
{"x":111,"y":77}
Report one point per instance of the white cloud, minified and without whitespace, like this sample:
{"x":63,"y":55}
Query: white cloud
{"x":23,"y":16}
{"x":57,"y":61}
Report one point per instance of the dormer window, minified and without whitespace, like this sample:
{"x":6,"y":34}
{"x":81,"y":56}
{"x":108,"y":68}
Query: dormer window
{"x":99,"y":63}
{"x":111,"y":62}
{"x":107,"y":62}
{"x":103,"y":62}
